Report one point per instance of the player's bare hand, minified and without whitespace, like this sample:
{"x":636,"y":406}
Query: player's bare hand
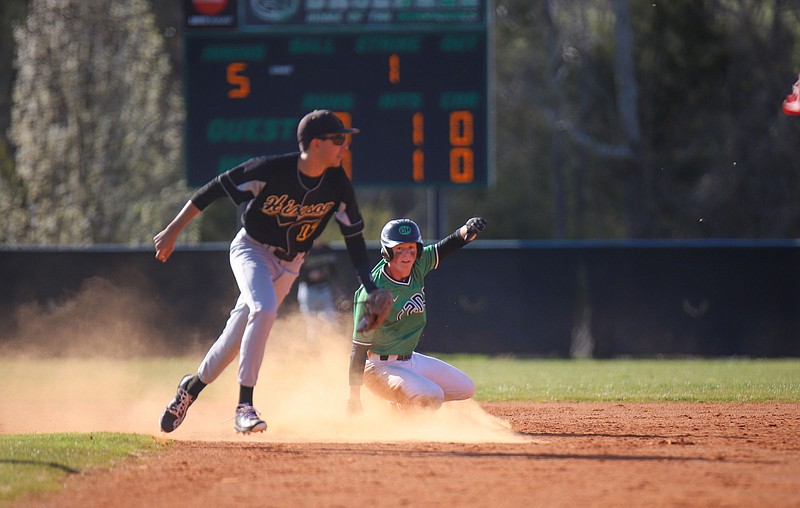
{"x":165,"y":240}
{"x":165,"y":244}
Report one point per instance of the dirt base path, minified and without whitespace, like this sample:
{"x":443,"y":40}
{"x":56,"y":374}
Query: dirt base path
{"x":581,"y":454}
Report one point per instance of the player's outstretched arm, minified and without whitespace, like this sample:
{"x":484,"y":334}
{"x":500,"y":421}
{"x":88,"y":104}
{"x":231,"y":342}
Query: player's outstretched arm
{"x":166,"y":239}
{"x":460,"y":237}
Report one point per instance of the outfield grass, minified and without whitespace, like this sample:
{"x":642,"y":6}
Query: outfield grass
{"x":694,"y":380}
{"x":33,"y":463}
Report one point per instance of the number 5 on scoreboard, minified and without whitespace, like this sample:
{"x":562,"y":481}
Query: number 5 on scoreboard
{"x":240,"y":82}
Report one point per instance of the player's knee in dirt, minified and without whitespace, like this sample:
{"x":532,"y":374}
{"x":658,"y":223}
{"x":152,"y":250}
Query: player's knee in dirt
{"x":465,"y":391}
{"x":428,"y":403}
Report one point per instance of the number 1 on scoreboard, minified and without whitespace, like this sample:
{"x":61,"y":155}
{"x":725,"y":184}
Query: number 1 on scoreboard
{"x":418,"y":137}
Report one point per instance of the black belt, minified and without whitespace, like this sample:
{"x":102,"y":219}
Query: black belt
{"x":283,"y":255}
{"x":279,"y":252}
{"x":401,"y":358}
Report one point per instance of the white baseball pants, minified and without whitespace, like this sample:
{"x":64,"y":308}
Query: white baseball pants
{"x":264,"y":281}
{"x":421,"y":381}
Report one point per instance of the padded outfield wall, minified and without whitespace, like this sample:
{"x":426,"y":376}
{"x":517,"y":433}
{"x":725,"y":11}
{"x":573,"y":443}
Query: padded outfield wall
{"x":560,"y":299}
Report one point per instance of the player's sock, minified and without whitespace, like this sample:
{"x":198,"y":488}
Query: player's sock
{"x":195,"y":386}
{"x":245,"y":395}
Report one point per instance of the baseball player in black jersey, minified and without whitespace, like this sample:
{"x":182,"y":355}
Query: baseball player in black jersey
{"x":290,"y":199}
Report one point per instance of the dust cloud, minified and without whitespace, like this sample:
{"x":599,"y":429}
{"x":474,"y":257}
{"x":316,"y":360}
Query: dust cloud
{"x":101,"y":319}
{"x":97,"y":362}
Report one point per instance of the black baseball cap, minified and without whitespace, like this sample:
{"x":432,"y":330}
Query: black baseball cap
{"x":320,"y":123}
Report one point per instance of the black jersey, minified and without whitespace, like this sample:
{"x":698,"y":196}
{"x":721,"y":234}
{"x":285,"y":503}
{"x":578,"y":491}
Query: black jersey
{"x":284,"y":207}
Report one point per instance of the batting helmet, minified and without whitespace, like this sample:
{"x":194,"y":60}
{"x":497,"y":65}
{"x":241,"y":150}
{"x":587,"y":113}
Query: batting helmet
{"x":399,"y":231}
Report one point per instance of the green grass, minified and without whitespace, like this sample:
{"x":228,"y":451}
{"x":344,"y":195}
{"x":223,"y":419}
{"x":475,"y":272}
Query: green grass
{"x":38,"y":463}
{"x":693,"y":380}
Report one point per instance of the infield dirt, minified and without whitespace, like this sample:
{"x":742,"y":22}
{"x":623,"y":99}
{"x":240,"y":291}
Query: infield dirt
{"x":584,"y":454}
{"x":315,"y":455}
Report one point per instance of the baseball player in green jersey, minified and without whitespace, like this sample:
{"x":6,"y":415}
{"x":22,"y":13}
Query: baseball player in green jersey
{"x":384,"y":359}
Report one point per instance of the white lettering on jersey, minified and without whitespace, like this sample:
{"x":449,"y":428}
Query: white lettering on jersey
{"x":414,"y":305}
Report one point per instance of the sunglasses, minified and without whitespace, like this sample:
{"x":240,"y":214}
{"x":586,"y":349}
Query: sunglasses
{"x":338,"y":139}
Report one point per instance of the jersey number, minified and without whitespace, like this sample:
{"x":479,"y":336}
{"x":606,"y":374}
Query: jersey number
{"x":306,"y":230}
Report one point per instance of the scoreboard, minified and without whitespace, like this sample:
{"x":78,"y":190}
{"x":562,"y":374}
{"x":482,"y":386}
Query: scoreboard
{"x":417,"y":90}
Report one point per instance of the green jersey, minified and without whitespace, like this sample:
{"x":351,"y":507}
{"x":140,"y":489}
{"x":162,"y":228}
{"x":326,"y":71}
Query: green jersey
{"x":399,"y":334}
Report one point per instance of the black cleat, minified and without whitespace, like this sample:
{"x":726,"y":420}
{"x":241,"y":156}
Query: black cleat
{"x":175,"y":411}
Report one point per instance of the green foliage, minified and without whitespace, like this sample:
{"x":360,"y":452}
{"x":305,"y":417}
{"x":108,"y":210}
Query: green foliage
{"x":718,"y":75}
{"x":38,"y":463}
{"x":98,"y":119}
{"x":694,"y":380}
{"x":714,"y":143}
{"x":97,"y":124}
{"x":11,"y":12}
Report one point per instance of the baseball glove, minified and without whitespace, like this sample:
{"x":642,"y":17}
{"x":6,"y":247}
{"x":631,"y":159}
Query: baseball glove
{"x":378,"y":303}
{"x":474,"y":226}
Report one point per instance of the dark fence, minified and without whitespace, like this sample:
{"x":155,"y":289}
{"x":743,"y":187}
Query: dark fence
{"x":556,"y":299}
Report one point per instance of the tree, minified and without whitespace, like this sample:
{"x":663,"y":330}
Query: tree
{"x":620,"y":119}
{"x":97,"y":125}
{"x":561,"y":157}
{"x":11,"y":11}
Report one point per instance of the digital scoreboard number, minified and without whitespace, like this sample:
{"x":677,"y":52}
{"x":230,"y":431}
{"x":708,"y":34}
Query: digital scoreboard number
{"x":419,"y":96}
